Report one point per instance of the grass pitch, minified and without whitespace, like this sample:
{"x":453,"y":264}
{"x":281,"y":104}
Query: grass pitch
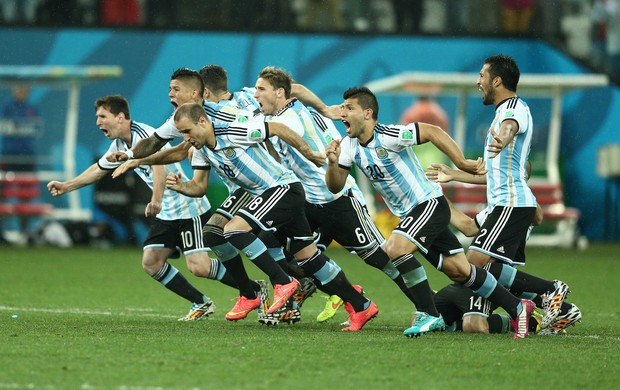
{"x":87,"y":318}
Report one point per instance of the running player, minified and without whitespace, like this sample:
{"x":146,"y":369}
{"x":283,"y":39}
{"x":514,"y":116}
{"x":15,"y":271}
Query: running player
{"x":340,"y":216}
{"x":235,"y":150}
{"x":178,"y":219}
{"x":384,"y":154}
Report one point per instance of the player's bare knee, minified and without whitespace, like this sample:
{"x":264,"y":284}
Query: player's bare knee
{"x":152,"y":263}
{"x":478,"y":259}
{"x":456,"y":268}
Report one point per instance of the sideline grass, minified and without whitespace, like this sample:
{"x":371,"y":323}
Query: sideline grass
{"x":91,"y":319}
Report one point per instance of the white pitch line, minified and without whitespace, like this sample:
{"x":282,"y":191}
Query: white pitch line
{"x":128,"y":313}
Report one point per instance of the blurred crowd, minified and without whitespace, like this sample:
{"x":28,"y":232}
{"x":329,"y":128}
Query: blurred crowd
{"x":588,"y":29}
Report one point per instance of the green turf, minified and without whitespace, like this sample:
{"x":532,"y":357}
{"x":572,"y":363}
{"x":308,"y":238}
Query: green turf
{"x":91,"y":319}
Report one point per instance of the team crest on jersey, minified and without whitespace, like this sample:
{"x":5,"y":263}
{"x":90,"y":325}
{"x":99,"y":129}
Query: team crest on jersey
{"x":509,"y":114}
{"x":229,"y":152}
{"x":407,"y":134}
{"x":381,"y":152}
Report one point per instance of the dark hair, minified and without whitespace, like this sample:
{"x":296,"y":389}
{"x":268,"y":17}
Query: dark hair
{"x":365,"y":98}
{"x":506,"y":68}
{"x":214,"y":78}
{"x":193,"y":111}
{"x":190,"y":77}
{"x":278,"y":78}
{"x":115,"y":104}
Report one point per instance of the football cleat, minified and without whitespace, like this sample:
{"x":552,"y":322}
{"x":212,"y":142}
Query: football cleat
{"x":242,"y":308}
{"x":304,"y":291}
{"x":263,"y":293}
{"x":563,"y":321}
{"x":552,"y":303}
{"x":357,"y":320}
{"x":333,"y":303}
{"x":281,"y":294}
{"x":521,"y":323}
{"x":288,"y":313}
{"x":331,"y":307}
{"x":424,"y":323}
{"x":199,"y":311}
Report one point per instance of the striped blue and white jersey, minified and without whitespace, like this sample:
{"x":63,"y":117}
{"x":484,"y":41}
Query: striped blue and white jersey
{"x":169,"y":131}
{"x":506,"y":179}
{"x":227,"y":110}
{"x":391,"y":166}
{"x":239,"y":156}
{"x":330,"y":132}
{"x":296,"y":116}
{"x":174,"y":205}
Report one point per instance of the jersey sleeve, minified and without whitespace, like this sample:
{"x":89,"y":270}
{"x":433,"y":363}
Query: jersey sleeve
{"x":518,"y":114}
{"x":104,"y":164}
{"x":345,"y":160}
{"x":168,"y":130}
{"x":248,"y":132}
{"x":200,"y":160}
{"x":407,"y":136}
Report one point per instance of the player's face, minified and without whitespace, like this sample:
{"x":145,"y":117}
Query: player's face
{"x":193,"y":133}
{"x":353,"y":117}
{"x":180,"y":93}
{"x":267,"y":96}
{"x":485,"y":84}
{"x":108,"y":123}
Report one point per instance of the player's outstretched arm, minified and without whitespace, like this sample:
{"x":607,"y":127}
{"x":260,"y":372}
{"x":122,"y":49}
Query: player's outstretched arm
{"x":91,"y":175}
{"x":441,"y":173}
{"x":443,"y":142}
{"x":144,"y":148}
{"x":290,"y":137}
{"x":309,"y":98}
{"x":164,"y":157}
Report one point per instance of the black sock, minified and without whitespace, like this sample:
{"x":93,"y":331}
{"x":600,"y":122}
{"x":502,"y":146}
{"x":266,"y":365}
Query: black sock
{"x":523,"y":281}
{"x":329,"y":276}
{"x":257,"y":252}
{"x":498,"y":323}
{"x":414,"y":278}
{"x":484,"y":284}
{"x":380,"y":260}
{"x":174,"y":281}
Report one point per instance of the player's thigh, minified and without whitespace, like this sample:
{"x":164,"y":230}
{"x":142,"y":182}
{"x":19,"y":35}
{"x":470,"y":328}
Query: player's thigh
{"x":229,"y":207}
{"x":347,"y":222}
{"x":502,"y":234}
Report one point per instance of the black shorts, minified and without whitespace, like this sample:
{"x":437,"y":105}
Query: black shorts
{"x":456,"y":301}
{"x":181,"y":235}
{"x":503,"y":234}
{"x":281,"y":210}
{"x":233,"y":203}
{"x":345,"y":221}
{"x":427,"y":227}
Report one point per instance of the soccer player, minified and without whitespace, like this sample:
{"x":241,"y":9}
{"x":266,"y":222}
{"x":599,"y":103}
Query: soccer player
{"x":340,"y":215}
{"x":516,"y":281}
{"x":384,"y":154}
{"x":186,"y":85}
{"x":179,"y":219}
{"x":235,"y":149}
{"x":511,"y":202}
